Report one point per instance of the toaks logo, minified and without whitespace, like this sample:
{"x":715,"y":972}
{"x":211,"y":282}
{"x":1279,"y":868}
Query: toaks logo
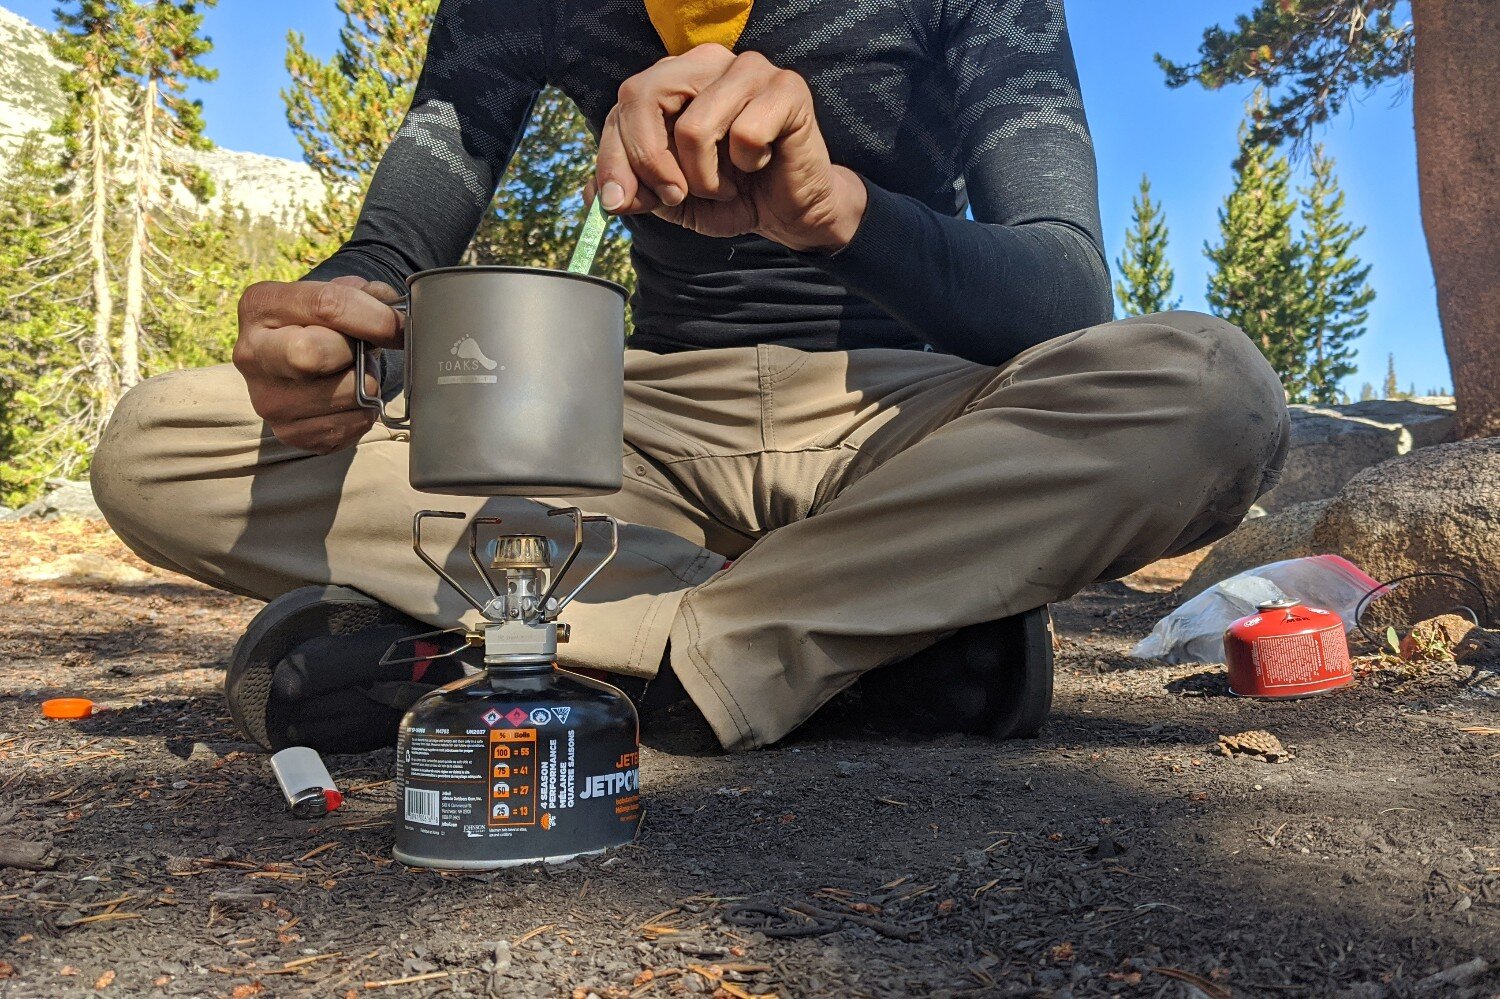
{"x":467,"y":356}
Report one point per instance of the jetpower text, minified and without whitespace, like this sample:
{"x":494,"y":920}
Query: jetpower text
{"x":611,"y":784}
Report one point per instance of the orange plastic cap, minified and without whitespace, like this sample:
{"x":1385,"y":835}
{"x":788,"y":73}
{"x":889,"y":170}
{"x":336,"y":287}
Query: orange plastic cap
{"x":67,"y":707}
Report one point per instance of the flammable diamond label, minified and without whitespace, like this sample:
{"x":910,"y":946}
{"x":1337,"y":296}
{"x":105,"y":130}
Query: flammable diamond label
{"x":492,"y":717}
{"x":516,"y":716}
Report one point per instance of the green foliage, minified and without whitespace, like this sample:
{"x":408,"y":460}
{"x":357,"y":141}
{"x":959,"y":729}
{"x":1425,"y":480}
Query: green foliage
{"x":44,"y":401}
{"x":1391,"y":388}
{"x":1302,"y":299}
{"x":1366,"y":392}
{"x":1338,"y":292}
{"x":1146,"y":276}
{"x":163,"y":57}
{"x":217,"y":255}
{"x":1258,"y":282}
{"x":73,"y":227}
{"x":166,"y":48}
{"x":89,"y":40}
{"x":1309,"y":55}
{"x":163,"y":51}
{"x":535,"y":218}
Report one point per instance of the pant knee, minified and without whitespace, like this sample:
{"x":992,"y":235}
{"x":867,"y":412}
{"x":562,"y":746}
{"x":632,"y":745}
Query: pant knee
{"x":152,"y":429}
{"x":121,"y":456}
{"x":1234,"y":430}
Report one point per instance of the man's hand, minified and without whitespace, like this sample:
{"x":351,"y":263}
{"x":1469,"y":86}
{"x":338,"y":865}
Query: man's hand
{"x":725,"y":144}
{"x":295,"y":353}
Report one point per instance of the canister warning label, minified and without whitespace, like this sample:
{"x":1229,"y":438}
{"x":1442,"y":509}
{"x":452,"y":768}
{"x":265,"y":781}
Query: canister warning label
{"x":444,"y":756}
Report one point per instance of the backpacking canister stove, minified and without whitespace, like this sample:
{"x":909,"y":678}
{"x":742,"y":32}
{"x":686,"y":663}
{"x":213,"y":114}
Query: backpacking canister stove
{"x":522,"y":762}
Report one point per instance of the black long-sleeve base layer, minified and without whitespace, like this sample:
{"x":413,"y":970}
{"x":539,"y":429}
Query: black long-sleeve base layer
{"x":942,"y":106}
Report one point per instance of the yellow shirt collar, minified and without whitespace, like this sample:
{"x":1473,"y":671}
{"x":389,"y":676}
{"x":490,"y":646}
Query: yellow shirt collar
{"x":684,"y":24}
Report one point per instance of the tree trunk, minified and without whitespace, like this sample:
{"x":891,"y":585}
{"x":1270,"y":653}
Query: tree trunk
{"x":98,"y":353}
{"x":135,"y":264}
{"x":1456,"y":100}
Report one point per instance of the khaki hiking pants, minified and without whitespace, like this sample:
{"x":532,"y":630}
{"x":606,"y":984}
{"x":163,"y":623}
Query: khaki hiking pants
{"x":872,"y":500}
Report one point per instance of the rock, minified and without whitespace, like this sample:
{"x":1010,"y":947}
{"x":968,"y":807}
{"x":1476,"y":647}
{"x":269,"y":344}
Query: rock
{"x":1332,"y":444}
{"x":1434,"y":639}
{"x":1456,"y":976}
{"x":1434,"y":510}
{"x":65,"y":498}
{"x":85,"y":567}
{"x":1280,"y":535}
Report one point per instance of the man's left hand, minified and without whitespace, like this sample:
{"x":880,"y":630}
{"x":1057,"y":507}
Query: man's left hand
{"x":726,"y":144}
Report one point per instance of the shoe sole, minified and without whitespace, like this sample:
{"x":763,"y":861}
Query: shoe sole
{"x":280,"y":627}
{"x":1029,"y":703}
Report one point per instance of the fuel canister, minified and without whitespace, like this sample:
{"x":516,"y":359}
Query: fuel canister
{"x":523,"y":762}
{"x":1287,"y":649}
{"x":515,"y":766}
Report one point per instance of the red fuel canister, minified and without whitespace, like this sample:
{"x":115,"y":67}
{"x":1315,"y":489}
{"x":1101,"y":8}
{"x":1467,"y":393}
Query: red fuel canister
{"x":1287,"y":649}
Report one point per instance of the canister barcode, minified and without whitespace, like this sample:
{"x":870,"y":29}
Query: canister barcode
{"x":422,"y":806}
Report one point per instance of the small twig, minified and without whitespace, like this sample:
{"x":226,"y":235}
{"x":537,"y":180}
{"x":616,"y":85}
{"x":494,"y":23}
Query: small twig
{"x":533,"y":933}
{"x":302,"y":961}
{"x":310,"y":854}
{"x":102,"y":917}
{"x":1208,"y":988}
{"x":408,"y":980}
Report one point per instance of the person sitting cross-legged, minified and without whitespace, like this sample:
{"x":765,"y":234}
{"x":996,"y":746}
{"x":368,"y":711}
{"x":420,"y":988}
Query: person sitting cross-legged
{"x":873,"y":369}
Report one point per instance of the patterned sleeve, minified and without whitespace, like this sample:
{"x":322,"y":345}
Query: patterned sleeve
{"x":485,"y":65}
{"x":1030,"y":264}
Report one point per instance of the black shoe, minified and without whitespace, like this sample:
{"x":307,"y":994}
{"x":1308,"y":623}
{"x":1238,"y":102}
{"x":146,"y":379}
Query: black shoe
{"x":307,"y":672}
{"x":990,"y":679}
{"x":670,"y":721}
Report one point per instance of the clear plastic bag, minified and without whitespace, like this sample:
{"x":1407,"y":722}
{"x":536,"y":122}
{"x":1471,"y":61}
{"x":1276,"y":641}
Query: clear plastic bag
{"x":1194,"y":632}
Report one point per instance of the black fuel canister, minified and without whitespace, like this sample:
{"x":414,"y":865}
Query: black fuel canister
{"x":515,"y":765}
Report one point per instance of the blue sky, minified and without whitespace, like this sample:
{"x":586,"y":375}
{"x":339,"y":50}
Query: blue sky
{"x":1183,"y":139}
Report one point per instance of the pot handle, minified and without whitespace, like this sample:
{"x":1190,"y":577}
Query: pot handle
{"x":364,"y":354}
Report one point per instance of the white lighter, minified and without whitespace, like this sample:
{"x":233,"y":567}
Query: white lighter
{"x":305,"y":782}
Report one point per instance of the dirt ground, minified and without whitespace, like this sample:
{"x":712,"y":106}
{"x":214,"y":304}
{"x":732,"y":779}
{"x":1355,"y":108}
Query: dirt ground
{"x":1116,"y":855}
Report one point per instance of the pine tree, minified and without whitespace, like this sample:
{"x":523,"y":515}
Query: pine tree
{"x":45,"y":318}
{"x":1366,"y":392}
{"x":534,"y":220}
{"x":1338,"y":293}
{"x":1146,"y":275}
{"x":65,"y":223}
{"x":1258,"y":282}
{"x":1392,"y":388}
{"x":166,"y":46}
{"x":1313,"y":55}
{"x":346,"y":109}
{"x":90,"y":39}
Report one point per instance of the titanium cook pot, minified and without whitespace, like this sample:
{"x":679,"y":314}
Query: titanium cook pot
{"x":514,"y":382}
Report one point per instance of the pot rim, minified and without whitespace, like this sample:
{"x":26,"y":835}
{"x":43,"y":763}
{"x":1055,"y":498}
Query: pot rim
{"x":512,"y":269}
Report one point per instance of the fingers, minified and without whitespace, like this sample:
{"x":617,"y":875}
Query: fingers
{"x":700,"y":128}
{"x":280,"y":401}
{"x":300,"y":352}
{"x":619,"y":191}
{"x":781,"y":109}
{"x":327,"y":433}
{"x":635,"y":147}
{"x":332,"y":305}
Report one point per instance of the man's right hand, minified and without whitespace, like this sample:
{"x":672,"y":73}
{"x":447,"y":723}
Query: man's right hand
{"x":295,"y":353}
